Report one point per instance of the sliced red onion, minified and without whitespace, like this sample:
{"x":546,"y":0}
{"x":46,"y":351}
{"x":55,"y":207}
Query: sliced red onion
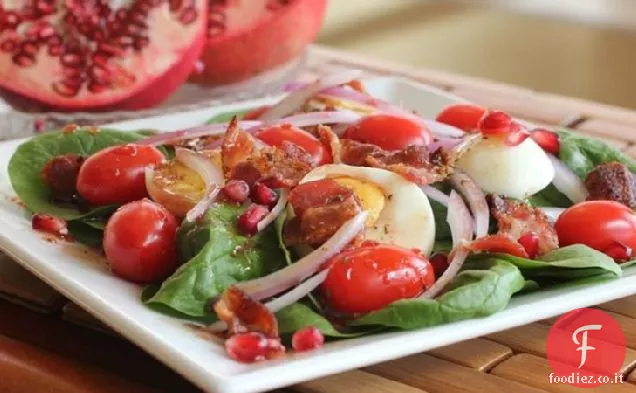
{"x":476,"y":200}
{"x":567,"y":182}
{"x":203,"y":166}
{"x":204,"y":204}
{"x":195,"y":132}
{"x":552,"y":213}
{"x":312,"y":119}
{"x":461,"y":225}
{"x":441,"y":130}
{"x":466,"y":143}
{"x":436,"y":195}
{"x":275,"y":212}
{"x":446,"y":143}
{"x":297,"y":293}
{"x":281,"y":280}
{"x":296,"y":99}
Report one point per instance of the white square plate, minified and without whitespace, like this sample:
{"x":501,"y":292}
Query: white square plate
{"x":85,"y":279}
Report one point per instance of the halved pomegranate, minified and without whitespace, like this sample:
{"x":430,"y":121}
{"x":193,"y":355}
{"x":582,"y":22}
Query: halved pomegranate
{"x":248,"y":37}
{"x":99,"y":54}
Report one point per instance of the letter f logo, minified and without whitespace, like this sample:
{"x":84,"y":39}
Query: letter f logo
{"x":583,"y":343}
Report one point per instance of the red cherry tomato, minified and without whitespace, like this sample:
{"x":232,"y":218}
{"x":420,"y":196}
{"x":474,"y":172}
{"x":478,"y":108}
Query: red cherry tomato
{"x":255,"y":113}
{"x":462,"y":116}
{"x":276,"y":135}
{"x":390,"y":132}
{"x":369,"y":278}
{"x":140,"y":242}
{"x":597,"y":224}
{"x":116,"y":174}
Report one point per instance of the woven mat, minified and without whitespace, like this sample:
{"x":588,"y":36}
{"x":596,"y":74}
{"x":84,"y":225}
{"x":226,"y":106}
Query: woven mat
{"x":40,"y":351}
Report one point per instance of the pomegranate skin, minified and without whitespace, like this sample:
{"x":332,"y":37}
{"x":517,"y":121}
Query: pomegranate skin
{"x":254,"y":49}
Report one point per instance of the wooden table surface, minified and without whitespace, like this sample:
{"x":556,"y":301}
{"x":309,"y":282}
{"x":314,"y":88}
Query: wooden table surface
{"x":48,"y":345}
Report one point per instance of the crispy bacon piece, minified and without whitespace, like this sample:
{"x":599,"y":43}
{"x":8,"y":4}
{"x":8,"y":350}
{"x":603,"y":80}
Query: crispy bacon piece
{"x":321,"y":208}
{"x":414,"y":163}
{"x":60,"y":175}
{"x":612,"y":181}
{"x":277,"y":167}
{"x":498,"y":244}
{"x":330,"y":139}
{"x":243,"y":314}
{"x":516,"y":219}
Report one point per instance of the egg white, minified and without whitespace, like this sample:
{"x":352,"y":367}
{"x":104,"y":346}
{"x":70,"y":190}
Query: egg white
{"x":512,"y":171}
{"x":407,"y":219}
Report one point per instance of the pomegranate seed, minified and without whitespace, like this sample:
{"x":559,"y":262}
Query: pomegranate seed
{"x":253,"y":347}
{"x":439,"y":263}
{"x":516,"y":136}
{"x":23,"y":60}
{"x":188,"y":16}
{"x":9,"y":45}
{"x":619,"y":251}
{"x":30,"y":48}
{"x":548,"y":140}
{"x":39,"y":125}
{"x":49,"y":224}
{"x":264,"y":195}
{"x":55,"y":50}
{"x":307,"y":339}
{"x":530,"y":242}
{"x":250,"y":218}
{"x":65,"y":90}
{"x":495,"y":123}
{"x":236,"y":191}
{"x":71,"y":60}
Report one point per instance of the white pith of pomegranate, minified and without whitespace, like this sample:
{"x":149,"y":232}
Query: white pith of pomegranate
{"x":99,"y":54}
{"x":248,"y":37}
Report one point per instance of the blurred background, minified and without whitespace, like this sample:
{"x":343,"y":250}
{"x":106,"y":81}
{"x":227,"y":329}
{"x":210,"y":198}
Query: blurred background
{"x":579,"y":48}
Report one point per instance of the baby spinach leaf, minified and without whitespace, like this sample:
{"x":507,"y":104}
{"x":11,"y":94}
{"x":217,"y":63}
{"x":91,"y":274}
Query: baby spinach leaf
{"x":564,"y":264}
{"x":217,"y":256}
{"x":225,"y":117}
{"x":550,"y":197}
{"x":478,"y":292}
{"x":582,"y":154}
{"x":298,"y":316}
{"x":30,"y":157}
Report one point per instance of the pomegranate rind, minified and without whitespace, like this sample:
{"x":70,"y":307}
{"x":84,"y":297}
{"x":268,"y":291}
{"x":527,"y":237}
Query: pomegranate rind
{"x":149,"y":75}
{"x":274,"y":40}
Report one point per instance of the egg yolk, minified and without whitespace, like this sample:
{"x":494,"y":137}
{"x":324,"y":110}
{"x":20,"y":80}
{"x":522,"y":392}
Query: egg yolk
{"x":371,"y":196}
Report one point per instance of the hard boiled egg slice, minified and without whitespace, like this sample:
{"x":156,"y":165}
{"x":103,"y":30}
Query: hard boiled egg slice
{"x":399,"y":212}
{"x":512,"y":171}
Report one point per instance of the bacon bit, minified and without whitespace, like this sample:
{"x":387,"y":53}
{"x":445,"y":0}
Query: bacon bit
{"x":357,"y":85}
{"x":60,"y":175}
{"x":277,"y":167}
{"x":70,"y":128}
{"x":242,"y":314}
{"x":612,"y":181}
{"x":620,"y":252}
{"x":413,"y":163}
{"x":530,"y":241}
{"x":253,"y":347}
{"x":50,"y":224}
{"x":547,"y":140}
{"x":330,"y":139}
{"x":248,"y":221}
{"x":497,"y":244}
{"x":516,"y":219}
{"x":307,"y":339}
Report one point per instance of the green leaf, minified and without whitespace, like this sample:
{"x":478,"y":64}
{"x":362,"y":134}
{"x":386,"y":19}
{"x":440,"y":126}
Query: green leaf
{"x":550,"y":197}
{"x":279,"y":225}
{"x":442,"y":229}
{"x":30,"y":157}
{"x":85,"y":233}
{"x":217,"y":256}
{"x":225,"y":117}
{"x":582,"y":154}
{"x":564,"y":264}
{"x":298,"y":316}
{"x":479,"y":292}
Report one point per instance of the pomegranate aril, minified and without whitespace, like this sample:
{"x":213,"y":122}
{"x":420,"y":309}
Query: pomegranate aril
{"x":530,"y":242}
{"x":65,"y":89}
{"x":547,"y":140}
{"x":124,"y":41}
{"x":307,"y":339}
{"x":30,"y":48}
{"x":236,"y":191}
{"x":516,"y":136}
{"x":620,"y":252}
{"x":188,"y":16}
{"x":11,"y":20}
{"x":98,"y":73}
{"x":54,"y":39}
{"x":100,"y":59}
{"x":108,"y":50}
{"x":23,"y":60}
{"x":253,"y":347}
{"x":248,"y":221}
{"x":9,"y":45}
{"x":49,"y":224}
{"x":439,"y":263}
{"x":175,"y":5}
{"x":44,"y":8}
{"x":495,"y":123}
{"x":71,"y":60}
{"x":141,"y":43}
{"x":46,"y":33}
{"x":121,"y":14}
{"x":96,"y":88}
{"x":55,"y":50}
{"x":264,"y":195}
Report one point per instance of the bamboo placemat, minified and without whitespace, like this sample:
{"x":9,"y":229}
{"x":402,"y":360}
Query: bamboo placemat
{"x":45,"y":345}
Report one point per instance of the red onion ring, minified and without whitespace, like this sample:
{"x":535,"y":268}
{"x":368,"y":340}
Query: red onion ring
{"x":281,"y":280}
{"x":461,"y":225}
{"x":311,"y":119}
{"x":295,"y":100}
{"x":567,"y":182}
{"x":204,"y":204}
{"x":436,"y":195}
{"x":195,"y":132}
{"x":275,"y":212}
{"x":476,"y":200}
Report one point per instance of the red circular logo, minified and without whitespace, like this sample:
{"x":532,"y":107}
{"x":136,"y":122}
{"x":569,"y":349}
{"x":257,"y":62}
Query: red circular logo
{"x":586,"y":348}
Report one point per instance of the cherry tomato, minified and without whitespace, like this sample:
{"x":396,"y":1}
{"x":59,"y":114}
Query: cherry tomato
{"x":462,"y":116}
{"x":255,"y":113}
{"x":116,"y":174}
{"x":140,"y":242}
{"x":370,"y":278}
{"x":276,"y":135}
{"x":390,"y":132}
{"x":597,"y":224}
{"x":498,"y":244}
